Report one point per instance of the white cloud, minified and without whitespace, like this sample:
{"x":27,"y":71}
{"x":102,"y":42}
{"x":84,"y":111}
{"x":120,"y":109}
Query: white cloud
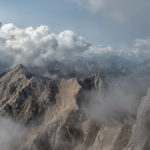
{"x":142,"y":48}
{"x":37,"y":45}
{"x":106,"y":51}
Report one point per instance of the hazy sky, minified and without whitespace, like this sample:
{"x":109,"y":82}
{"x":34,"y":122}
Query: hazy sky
{"x":107,"y":22}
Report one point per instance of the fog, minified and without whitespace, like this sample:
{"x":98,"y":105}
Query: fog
{"x":11,"y":133}
{"x":118,"y":103}
{"x":68,"y":55}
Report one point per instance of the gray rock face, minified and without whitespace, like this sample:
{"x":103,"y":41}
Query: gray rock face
{"x":140,"y":139}
{"x":56,"y":116}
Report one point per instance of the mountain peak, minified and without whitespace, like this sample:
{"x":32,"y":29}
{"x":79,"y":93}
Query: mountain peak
{"x":20,"y":69}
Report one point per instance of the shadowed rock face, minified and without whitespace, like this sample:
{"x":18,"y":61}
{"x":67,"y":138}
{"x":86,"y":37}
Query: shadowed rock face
{"x":56,"y":116}
{"x":23,"y":96}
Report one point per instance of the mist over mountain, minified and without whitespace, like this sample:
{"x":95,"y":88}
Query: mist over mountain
{"x":74,"y":75}
{"x":36,"y":47}
{"x":60,"y":92}
{"x":76,"y":105}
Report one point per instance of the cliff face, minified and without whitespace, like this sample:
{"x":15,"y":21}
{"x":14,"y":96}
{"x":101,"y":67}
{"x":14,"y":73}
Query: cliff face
{"x":56,"y":116}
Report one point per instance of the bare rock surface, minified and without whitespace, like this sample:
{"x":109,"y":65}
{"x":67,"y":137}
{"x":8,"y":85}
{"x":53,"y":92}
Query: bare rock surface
{"x":56,"y":117}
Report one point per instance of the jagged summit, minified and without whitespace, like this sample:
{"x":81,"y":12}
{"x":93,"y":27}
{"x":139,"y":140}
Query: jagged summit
{"x":94,"y":81}
{"x":20,"y":69}
{"x":57,"y":114}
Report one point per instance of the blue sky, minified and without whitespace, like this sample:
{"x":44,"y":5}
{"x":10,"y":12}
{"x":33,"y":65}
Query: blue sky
{"x":35,"y":31}
{"x":98,"y":23}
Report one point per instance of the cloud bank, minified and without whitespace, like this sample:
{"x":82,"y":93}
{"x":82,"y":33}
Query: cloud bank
{"x":142,"y":48}
{"x":11,"y":133}
{"x":36,"y":46}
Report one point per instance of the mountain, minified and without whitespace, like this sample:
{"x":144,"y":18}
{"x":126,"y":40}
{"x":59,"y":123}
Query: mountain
{"x":112,"y":66}
{"x":66,"y":114}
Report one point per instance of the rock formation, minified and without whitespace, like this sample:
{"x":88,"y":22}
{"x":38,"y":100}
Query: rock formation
{"x":56,"y":115}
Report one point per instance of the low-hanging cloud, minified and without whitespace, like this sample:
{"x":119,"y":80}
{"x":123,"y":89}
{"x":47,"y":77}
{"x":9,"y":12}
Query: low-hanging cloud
{"x":11,"y":133}
{"x":34,"y":46}
{"x":142,"y":48}
{"x":119,"y":100}
{"x":37,"y":46}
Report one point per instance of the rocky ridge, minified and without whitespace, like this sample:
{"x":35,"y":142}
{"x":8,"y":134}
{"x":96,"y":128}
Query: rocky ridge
{"x":55,"y":114}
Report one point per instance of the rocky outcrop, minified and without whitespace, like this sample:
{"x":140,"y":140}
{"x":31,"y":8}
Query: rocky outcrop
{"x":23,"y":96}
{"x":56,"y":116}
{"x":140,"y":139}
